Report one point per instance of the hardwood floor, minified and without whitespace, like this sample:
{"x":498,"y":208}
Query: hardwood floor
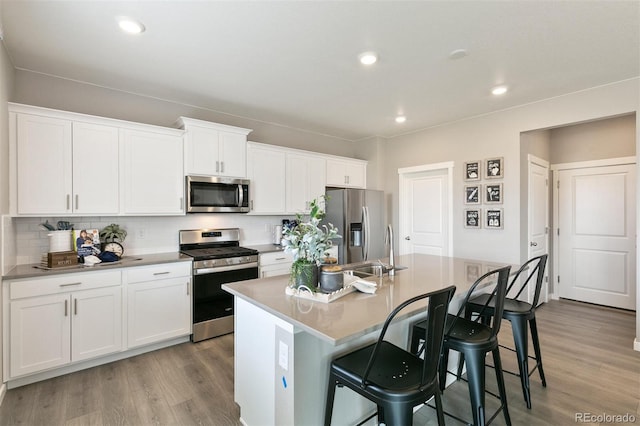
{"x":587,"y":352}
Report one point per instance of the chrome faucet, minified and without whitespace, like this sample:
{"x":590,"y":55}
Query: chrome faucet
{"x":388,"y":239}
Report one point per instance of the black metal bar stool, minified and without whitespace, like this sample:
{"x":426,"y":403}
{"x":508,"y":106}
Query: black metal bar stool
{"x":474,"y":339}
{"x":393,"y":378}
{"x":519,"y":313}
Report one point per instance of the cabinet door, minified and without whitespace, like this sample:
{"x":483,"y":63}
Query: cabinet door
{"x":233,"y":154}
{"x":153,"y":177}
{"x":346,"y":173}
{"x":40,"y":334}
{"x":266,"y":171}
{"x":96,"y":323}
{"x":202,"y":151}
{"x":158,"y":310}
{"x":44,"y":171}
{"x":305,"y":181}
{"x":96,"y":181}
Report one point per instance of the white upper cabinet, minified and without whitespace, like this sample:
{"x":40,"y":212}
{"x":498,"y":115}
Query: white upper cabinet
{"x":43,"y":148}
{"x":346,"y":173}
{"x":65,"y":163}
{"x":95,"y":150}
{"x":266,"y":170}
{"x":305,"y":181}
{"x":213,"y":149}
{"x":59,"y":163}
{"x":153,"y":178}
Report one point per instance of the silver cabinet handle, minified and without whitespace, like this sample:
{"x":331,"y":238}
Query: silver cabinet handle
{"x":251,"y":205}
{"x":66,"y":308}
{"x":187,"y":288}
{"x":75,"y":306}
{"x":280,"y":258}
{"x":181,"y":202}
{"x":68,"y":201}
{"x":69,"y":284}
{"x":222,"y":167}
{"x":161,"y":273}
{"x":76,"y":201}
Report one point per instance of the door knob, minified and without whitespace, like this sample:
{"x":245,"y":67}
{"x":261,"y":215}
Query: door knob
{"x":407,"y":238}
{"x":533,"y":244}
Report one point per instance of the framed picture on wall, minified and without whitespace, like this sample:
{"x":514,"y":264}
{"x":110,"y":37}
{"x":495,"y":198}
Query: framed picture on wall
{"x":493,"y":193}
{"x":494,"y":168}
{"x":494,"y":219}
{"x":472,"y":194}
{"x":472,"y":170}
{"x":472,"y":218}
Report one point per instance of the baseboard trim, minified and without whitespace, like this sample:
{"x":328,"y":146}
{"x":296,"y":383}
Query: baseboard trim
{"x":636,"y":344}
{"x":3,"y":392}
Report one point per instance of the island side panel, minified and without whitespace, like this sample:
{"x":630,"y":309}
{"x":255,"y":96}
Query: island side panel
{"x":255,"y":361}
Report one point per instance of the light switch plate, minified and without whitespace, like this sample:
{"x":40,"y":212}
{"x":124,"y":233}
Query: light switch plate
{"x":283,"y":355}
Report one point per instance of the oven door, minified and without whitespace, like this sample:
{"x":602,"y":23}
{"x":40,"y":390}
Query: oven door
{"x":212,"y":306}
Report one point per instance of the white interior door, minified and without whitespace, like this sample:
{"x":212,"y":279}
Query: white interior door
{"x":539,"y":218}
{"x":425,"y":210}
{"x":597,"y":229}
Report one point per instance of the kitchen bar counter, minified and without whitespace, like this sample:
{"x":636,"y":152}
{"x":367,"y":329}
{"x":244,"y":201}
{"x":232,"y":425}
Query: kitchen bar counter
{"x":34,"y":270}
{"x":284,"y":344}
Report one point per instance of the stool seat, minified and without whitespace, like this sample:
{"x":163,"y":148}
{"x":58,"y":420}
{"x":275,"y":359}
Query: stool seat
{"x":469,"y":333}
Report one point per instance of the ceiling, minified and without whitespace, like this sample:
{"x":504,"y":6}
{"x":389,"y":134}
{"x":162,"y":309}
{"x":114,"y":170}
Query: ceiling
{"x":295,"y":63}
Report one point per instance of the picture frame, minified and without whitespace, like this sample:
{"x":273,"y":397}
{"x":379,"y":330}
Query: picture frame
{"x":494,"y":168}
{"x":494,"y":219}
{"x":473,"y":218}
{"x":493,"y":193}
{"x":472,"y":170}
{"x":472,"y":194}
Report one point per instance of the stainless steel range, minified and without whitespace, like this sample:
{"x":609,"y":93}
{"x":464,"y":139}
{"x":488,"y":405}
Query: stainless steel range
{"x":217,"y":259}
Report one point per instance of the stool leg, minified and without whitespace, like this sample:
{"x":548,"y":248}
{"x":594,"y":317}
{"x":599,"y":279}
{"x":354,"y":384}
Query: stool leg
{"x":442,"y":368}
{"x":331,"y":391}
{"x":396,"y":414}
{"x":501,"y":388}
{"x":439,"y":409}
{"x":536,"y":348}
{"x":521,"y":339}
{"x":476,"y":381}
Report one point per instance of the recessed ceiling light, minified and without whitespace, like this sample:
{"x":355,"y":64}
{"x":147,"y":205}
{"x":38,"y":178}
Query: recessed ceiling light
{"x":401,"y":119}
{"x":368,"y":58}
{"x":457,"y":54}
{"x":130,"y":26}
{"x":499,"y":90}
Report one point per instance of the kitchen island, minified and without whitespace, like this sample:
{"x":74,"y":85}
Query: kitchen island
{"x":284,"y":344}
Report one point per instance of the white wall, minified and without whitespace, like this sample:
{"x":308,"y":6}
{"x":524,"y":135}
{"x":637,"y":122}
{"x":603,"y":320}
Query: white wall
{"x":498,"y":134}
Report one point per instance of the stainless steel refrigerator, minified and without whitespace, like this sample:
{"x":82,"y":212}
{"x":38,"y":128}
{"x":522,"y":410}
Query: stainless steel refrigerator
{"x":359,"y":215}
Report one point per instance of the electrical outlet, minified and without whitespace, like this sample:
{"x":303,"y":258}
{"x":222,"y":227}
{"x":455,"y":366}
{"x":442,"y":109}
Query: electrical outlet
{"x":267,"y":227}
{"x":141,"y":233}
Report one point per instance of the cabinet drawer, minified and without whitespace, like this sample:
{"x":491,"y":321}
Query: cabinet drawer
{"x":158,"y":272}
{"x":63,"y":283}
{"x":275,"y":258}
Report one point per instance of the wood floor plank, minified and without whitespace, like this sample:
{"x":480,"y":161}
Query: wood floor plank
{"x":587,"y":352}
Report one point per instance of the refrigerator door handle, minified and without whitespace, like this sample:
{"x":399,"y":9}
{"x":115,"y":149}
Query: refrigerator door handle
{"x":365,"y":236}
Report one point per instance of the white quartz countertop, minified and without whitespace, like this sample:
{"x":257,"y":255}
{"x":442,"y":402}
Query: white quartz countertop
{"x":34,"y":270}
{"x":265,"y":248}
{"x":357,"y":314}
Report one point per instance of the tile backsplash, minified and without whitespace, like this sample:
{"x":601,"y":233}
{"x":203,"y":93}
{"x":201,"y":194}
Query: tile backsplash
{"x":144,"y":234}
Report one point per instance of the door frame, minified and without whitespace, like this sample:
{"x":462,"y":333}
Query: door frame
{"x":404,"y":175}
{"x":555,"y":168}
{"x":532,"y":159}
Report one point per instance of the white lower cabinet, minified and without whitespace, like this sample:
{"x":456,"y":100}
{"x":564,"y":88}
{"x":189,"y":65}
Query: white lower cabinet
{"x":159,"y":308}
{"x":52,"y":326}
{"x":275,"y":263}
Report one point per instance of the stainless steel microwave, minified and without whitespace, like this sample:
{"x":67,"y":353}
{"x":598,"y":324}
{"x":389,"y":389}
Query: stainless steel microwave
{"x":207,"y":194}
